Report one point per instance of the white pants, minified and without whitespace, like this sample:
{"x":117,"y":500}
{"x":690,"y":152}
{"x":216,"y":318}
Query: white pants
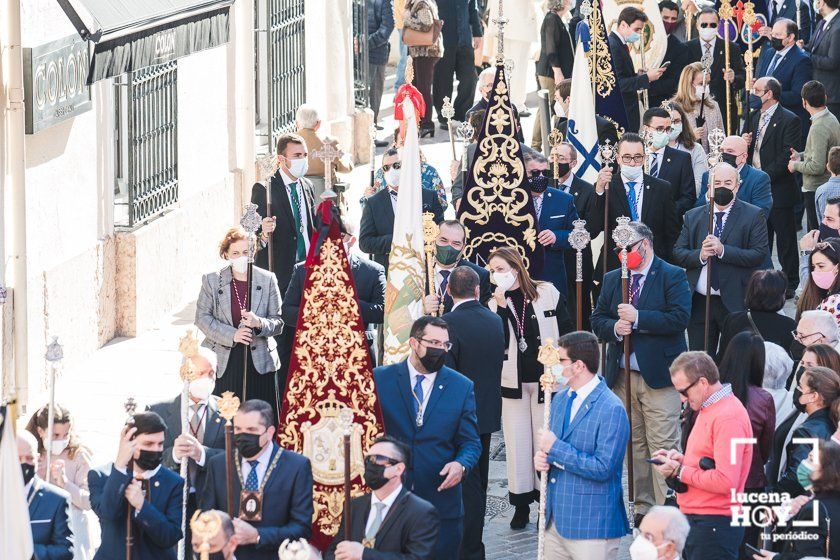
{"x":521,"y":421}
{"x":558,"y":548}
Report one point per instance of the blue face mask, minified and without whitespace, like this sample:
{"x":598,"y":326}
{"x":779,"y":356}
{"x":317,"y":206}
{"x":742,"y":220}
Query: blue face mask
{"x":632,"y":38}
{"x":803,"y":473}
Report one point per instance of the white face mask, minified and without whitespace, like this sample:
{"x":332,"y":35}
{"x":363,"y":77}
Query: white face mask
{"x":560,"y":379}
{"x":202,"y":387}
{"x":239,"y":264}
{"x":59,"y":445}
{"x":298,"y":167}
{"x":701,"y":91}
{"x":558,"y":109}
{"x":504,"y":280}
{"x":676,"y":130}
{"x":708,"y":34}
{"x":631,"y":172}
{"x":643,"y":549}
{"x":392,"y":177}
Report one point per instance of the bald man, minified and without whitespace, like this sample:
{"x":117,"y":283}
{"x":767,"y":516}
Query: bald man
{"x":223,"y":544}
{"x":204,"y":437}
{"x":735,"y":247}
{"x":48,"y":506}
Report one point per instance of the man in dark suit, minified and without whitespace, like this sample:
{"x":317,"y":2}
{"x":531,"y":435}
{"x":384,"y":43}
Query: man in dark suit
{"x":555,"y":213}
{"x":153,"y":491}
{"x":49,"y":506}
{"x":432,"y":408}
{"x":778,"y":10}
{"x":789,"y":64}
{"x":282,"y":478}
{"x":449,"y":250}
{"x":293,"y":201}
{"x":736,"y":247}
{"x":377,"y":224}
{"x":396,"y":522}
{"x":637,"y":196}
{"x":655,"y":318}
{"x":461,"y":33}
{"x":629,"y":26}
{"x":478,"y":351}
{"x":709,"y":42}
{"x":665,"y":87}
{"x":667,"y":163}
{"x":369,"y":278}
{"x":584,"y":198}
{"x":562,"y":95}
{"x":205,"y":435}
{"x":773,"y":131}
{"x":825,"y":52}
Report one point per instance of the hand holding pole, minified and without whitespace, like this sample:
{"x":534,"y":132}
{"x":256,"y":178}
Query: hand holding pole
{"x":250,"y":222}
{"x":130,"y":408}
{"x":228,"y":406}
{"x":430,"y":234}
{"x":549,"y":356}
{"x":188,"y":346}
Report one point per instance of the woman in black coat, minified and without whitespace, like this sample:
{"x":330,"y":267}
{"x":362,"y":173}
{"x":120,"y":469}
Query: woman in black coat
{"x":557,"y":55}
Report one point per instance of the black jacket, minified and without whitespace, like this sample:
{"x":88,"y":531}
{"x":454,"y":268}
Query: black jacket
{"x":658,"y":213}
{"x":825,"y":57}
{"x":478,"y":352}
{"x":485,"y":291}
{"x":773,"y":327}
{"x":827,"y":531}
{"x":818,"y":425}
{"x":665,"y":87}
{"x":745,"y":246}
{"x":408,"y":532}
{"x":377,"y":226}
{"x":606,"y":130}
{"x":782,"y":133}
{"x":285,"y":235}
{"x":369,"y":278}
{"x":629,"y":81}
{"x":675,"y":167}
{"x":584,"y":195}
{"x":717,"y":85}
{"x":556,"y":48}
{"x":380,"y":20}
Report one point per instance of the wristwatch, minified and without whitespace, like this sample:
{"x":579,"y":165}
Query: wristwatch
{"x":679,"y":473}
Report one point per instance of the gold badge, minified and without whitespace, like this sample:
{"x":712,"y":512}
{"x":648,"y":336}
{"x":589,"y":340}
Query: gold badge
{"x":250,"y":505}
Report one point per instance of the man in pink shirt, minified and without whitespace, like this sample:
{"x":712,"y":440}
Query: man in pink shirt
{"x":712,"y":466}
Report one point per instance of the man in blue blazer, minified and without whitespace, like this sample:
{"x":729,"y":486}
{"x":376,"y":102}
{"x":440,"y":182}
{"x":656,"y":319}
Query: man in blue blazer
{"x":555,"y":213}
{"x":655,"y":319}
{"x":284,"y":479}
{"x":48,"y":506}
{"x":432,"y":408}
{"x":583,"y":452}
{"x":154,"y":492}
{"x":785,"y":61}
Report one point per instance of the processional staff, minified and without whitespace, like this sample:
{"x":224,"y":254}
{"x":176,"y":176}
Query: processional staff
{"x":624,"y":236}
{"x":706,"y":61}
{"x":205,"y":526}
{"x":372,"y":134}
{"x":608,"y":155}
{"x":266,"y":168}
{"x":749,"y":21}
{"x":555,"y":138}
{"x":549,"y":356}
{"x":345,"y":422}
{"x":430,"y":234}
{"x":465,"y":133}
{"x":327,"y":154}
{"x":54,"y":355}
{"x":725,"y":14}
{"x":447,"y":111}
{"x":188,"y":346}
{"x":715,"y":140}
{"x":130,"y":408}
{"x":228,"y":406}
{"x":250,"y":222}
{"x":579,"y":238}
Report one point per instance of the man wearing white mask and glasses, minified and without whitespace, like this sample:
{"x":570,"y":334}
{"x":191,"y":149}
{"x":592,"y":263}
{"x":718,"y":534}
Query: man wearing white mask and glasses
{"x":667,"y":163}
{"x":662,"y":535}
{"x":205,"y":436}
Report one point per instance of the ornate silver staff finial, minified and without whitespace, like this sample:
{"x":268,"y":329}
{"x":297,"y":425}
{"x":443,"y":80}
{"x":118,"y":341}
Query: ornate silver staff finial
{"x":294,"y":550}
{"x":55,"y":352}
{"x":586,"y":9}
{"x":716,"y":138}
{"x":509,"y":66}
{"x":608,"y":153}
{"x":3,"y":294}
{"x":465,"y":132}
{"x":130,"y":406}
{"x":345,"y":420}
{"x":501,"y":21}
{"x":647,"y":142}
{"x":251,"y":219}
{"x":447,"y":111}
{"x":327,"y":154}
{"x":579,"y":238}
{"x":266,"y":167}
{"x":623,"y":234}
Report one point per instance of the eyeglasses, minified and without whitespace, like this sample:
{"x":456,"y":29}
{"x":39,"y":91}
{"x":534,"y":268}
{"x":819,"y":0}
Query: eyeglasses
{"x":379,"y":459}
{"x":617,"y":250}
{"x":799,"y":337}
{"x":708,"y":25}
{"x":387,"y":166}
{"x":822,"y":246}
{"x":663,"y":129}
{"x":627,"y":158}
{"x":684,"y":392}
{"x":437,"y":344}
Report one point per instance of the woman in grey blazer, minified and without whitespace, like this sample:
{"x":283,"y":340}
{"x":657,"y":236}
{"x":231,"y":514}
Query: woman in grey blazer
{"x":232,"y":319}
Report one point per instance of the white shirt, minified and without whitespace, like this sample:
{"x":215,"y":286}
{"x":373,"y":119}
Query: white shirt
{"x":304,"y":217}
{"x":634,"y":363}
{"x":427,"y":385}
{"x":640,"y":193}
{"x":827,"y":19}
{"x":567,"y":182}
{"x":202,"y":410}
{"x":459,"y":302}
{"x":262,"y":464}
{"x":659,"y":154}
{"x":701,"y":282}
{"x":388,"y":501}
{"x":582,"y":393}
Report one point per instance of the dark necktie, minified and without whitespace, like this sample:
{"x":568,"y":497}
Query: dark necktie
{"x":631,"y":200}
{"x":418,"y":393}
{"x":444,"y":282}
{"x":297,"y":212}
{"x":654,"y":165}
{"x":251,"y":483}
{"x":773,"y":63}
{"x":817,"y":34}
{"x":567,"y":417}
{"x":715,"y":267}
{"x":635,"y":289}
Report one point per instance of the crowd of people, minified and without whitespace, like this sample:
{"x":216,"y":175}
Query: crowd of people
{"x":720,"y":401}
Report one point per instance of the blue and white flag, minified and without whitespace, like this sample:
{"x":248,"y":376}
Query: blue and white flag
{"x":582,"y":131}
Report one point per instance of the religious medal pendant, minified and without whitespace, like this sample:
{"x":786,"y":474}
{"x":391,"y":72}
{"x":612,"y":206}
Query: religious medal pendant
{"x":250,"y":505}
{"x":419,"y":419}
{"x":522,"y":344}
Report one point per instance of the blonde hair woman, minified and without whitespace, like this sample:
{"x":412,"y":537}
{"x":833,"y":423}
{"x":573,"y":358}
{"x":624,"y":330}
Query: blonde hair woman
{"x":532,"y":312}
{"x":690,"y":92}
{"x":232,"y":318}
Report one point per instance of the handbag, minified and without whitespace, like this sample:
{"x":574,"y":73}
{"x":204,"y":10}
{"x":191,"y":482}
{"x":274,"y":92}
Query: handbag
{"x":415,"y":38}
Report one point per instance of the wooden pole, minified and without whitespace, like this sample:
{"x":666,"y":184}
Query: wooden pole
{"x":715,"y":140}
{"x":228,"y":405}
{"x":579,"y":238}
{"x":347,"y":487}
{"x":130,"y":407}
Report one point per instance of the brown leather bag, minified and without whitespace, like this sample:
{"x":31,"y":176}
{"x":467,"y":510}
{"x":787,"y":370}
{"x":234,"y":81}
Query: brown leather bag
{"x":414,"y":38}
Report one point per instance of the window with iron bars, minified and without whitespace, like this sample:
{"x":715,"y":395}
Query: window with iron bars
{"x":280,"y":68}
{"x":360,"y":54}
{"x":146,"y":134}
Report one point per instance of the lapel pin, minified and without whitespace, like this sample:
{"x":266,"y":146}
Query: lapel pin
{"x":217,"y":420}
{"x":440,"y":387}
{"x":157,"y":483}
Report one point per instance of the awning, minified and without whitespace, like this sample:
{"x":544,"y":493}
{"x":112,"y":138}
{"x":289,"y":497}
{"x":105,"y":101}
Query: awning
{"x":133,"y":34}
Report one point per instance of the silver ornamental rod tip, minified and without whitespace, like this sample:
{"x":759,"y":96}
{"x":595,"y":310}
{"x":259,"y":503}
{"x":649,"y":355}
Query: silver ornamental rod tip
{"x":54,"y":351}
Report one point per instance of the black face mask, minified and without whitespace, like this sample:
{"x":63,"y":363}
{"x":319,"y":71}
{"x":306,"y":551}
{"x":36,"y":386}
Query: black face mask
{"x":729,"y":158}
{"x":826,"y":232}
{"x":28,"y":472}
{"x":537,"y":183}
{"x":797,"y":349}
{"x":797,"y":394}
{"x":149,"y":460}
{"x":723,"y":196}
{"x":776,"y":43}
{"x":375,"y":474}
{"x":247,"y":444}
{"x":562,"y":169}
{"x":434,"y":359}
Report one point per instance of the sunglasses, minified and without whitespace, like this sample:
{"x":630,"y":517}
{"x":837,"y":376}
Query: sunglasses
{"x":684,"y":392}
{"x":396,"y":165}
{"x":708,"y":26}
{"x":617,"y":250}
{"x":379,"y":459}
